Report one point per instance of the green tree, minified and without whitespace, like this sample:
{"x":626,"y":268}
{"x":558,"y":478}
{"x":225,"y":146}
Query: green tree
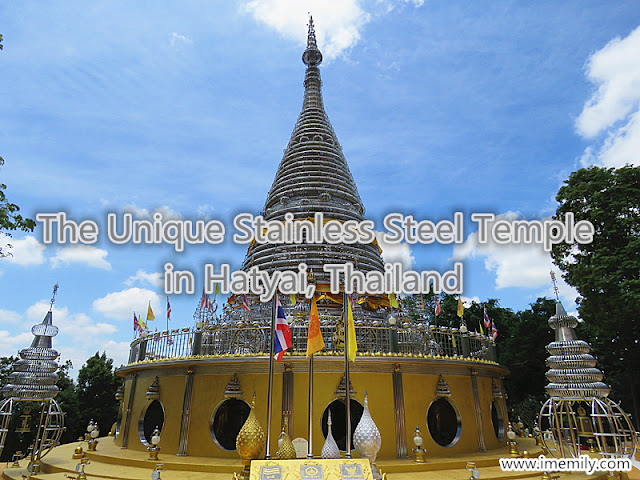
{"x":521,"y":343}
{"x":6,"y":366}
{"x":606,"y":272}
{"x":97,"y":385}
{"x":68,"y":399}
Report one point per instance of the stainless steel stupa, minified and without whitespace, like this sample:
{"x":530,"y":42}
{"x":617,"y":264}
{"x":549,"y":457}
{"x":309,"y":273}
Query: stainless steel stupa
{"x":579,"y":411}
{"x":313,"y":177}
{"x":33,"y":379}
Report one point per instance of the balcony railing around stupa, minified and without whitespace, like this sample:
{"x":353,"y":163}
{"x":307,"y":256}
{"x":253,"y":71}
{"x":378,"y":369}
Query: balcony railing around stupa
{"x":234,"y":339}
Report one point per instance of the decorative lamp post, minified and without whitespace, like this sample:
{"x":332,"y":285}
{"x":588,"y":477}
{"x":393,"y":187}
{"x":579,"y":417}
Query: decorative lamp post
{"x":16,"y":459}
{"x":155,"y":475}
{"x":394,"y":333}
{"x":419,"y":452}
{"x":475,"y":473}
{"x":154,"y":448}
{"x":513,"y":446}
{"x":80,"y":469}
{"x":93,"y":443}
{"x":90,"y":427}
{"x":536,"y":433}
{"x":520,"y":426}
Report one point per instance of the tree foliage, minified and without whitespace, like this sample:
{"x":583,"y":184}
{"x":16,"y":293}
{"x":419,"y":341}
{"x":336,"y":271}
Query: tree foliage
{"x":606,"y":272}
{"x":97,"y":385}
{"x":92,"y":397}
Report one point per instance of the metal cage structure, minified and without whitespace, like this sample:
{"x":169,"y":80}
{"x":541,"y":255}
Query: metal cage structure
{"x":578,"y":407}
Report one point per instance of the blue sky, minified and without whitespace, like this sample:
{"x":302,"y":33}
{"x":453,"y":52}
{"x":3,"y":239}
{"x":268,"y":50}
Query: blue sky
{"x":186,"y":107}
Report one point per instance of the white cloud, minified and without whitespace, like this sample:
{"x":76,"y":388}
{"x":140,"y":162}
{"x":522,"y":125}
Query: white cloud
{"x":394,"y":253}
{"x":515,"y":265}
{"x":121,"y":305}
{"x":614,"y":108}
{"x":11,"y":344}
{"x":144,"y":213}
{"x":338,"y":24}
{"x":78,"y":326}
{"x":119,"y":351}
{"x":205,"y":211}
{"x":155,"y":279}
{"x":7,"y":316}
{"x":468,"y":301}
{"x":87,"y":254}
{"x":177,"y":39}
{"x":26,"y":251}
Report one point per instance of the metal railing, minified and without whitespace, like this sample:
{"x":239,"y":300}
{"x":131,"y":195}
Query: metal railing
{"x":235,"y":338}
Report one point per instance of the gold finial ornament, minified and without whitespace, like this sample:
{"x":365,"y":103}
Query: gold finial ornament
{"x":419,"y":452}
{"x":513,"y":446}
{"x":286,"y":451}
{"x":78,"y":453}
{"x":250,"y":441}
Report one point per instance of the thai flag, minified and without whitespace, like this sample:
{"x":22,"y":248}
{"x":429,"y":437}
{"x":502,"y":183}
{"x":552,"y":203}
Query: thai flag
{"x":245,"y":303}
{"x":494,"y":331}
{"x":168,"y":309}
{"x":487,"y":322}
{"x":438,"y":309}
{"x":205,"y":302}
{"x":282,"y":335}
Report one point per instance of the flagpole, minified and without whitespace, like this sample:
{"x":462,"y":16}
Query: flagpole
{"x":345,"y":317}
{"x":270,"y":394}
{"x":310,"y":445}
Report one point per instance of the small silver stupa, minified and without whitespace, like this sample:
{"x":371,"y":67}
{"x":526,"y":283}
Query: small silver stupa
{"x":578,"y":407}
{"x":33,"y":379}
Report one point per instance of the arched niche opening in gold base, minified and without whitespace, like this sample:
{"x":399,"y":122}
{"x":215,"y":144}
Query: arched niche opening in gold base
{"x":152,"y":416}
{"x":338,"y":408}
{"x":497,"y":419}
{"x":227,"y":420}
{"x":444,"y":422}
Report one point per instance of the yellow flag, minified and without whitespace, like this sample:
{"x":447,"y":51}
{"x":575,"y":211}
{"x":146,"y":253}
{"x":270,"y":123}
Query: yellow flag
{"x":142,"y":322}
{"x":315,"y":342}
{"x":481,"y":329}
{"x":393,"y":300}
{"x":460,"y":307}
{"x":352,"y":345}
{"x":217,"y":291}
{"x":150,"y":315}
{"x":293,"y":299}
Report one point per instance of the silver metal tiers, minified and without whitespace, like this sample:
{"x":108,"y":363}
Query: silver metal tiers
{"x":572,"y":372}
{"x":313,"y":176}
{"x":579,"y":409}
{"x":34,"y":376}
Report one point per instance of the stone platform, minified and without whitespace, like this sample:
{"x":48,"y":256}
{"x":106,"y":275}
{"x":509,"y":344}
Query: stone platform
{"x":112,"y":462}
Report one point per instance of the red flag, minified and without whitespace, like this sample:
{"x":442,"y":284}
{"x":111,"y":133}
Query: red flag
{"x":245,"y":303}
{"x":487,"y":322}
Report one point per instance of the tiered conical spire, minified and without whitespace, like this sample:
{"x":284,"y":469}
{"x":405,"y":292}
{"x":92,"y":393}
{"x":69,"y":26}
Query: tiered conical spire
{"x":34,"y":375}
{"x":572,"y":373}
{"x":313,"y":176}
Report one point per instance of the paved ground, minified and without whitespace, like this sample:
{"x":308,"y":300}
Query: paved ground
{"x":111,"y":462}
